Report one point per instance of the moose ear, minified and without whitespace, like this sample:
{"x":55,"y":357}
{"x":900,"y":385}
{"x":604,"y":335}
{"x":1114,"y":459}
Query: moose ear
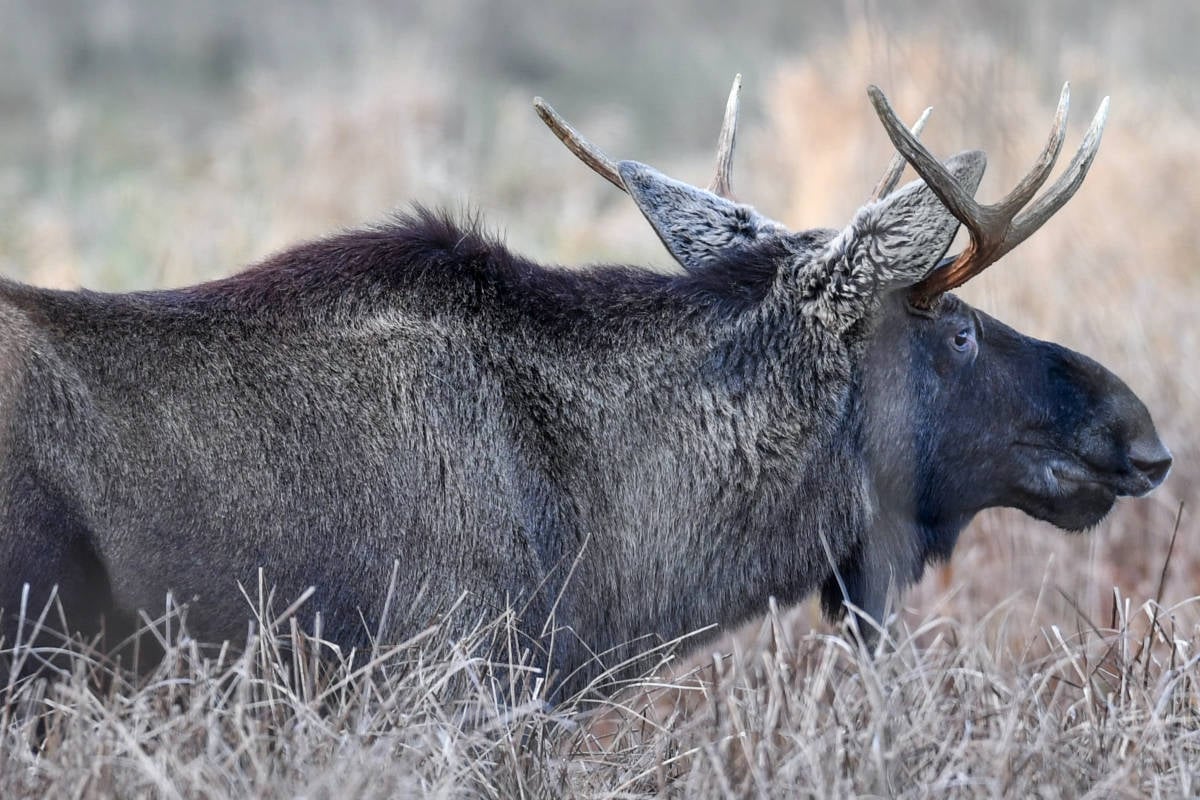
{"x":908,"y":232}
{"x":694,"y":224}
{"x":891,"y":243}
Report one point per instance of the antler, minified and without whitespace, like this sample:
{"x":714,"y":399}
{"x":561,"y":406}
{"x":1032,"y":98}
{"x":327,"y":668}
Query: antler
{"x":584,"y":150}
{"x":896,"y":168}
{"x":604,"y":166}
{"x":995,"y":229}
{"x":722,"y":183}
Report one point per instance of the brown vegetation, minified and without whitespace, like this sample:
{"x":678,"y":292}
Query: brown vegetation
{"x":1033,"y":662}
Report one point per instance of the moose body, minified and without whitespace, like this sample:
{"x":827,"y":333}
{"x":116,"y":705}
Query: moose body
{"x":613,"y":452}
{"x":418,"y":393}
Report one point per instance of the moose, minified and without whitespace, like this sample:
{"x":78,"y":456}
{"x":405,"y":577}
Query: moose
{"x":613,"y":452}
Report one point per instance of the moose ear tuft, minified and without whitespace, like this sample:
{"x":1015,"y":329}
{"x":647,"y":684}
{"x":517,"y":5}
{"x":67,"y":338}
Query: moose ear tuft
{"x":891,"y":243}
{"x":928,"y":225}
{"x":908,"y":232}
{"x":695,"y":225}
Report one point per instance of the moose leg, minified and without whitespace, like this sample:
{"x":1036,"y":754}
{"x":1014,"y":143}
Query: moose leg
{"x":870,"y":580}
{"x":853,"y":584}
{"x":46,"y":559}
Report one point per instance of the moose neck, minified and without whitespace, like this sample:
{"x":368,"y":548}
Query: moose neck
{"x":914,"y":521}
{"x":712,"y":483}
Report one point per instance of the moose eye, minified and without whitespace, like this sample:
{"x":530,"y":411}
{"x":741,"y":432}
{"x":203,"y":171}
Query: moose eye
{"x":964,"y":340}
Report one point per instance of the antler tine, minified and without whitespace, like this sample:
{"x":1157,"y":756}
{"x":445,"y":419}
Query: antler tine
{"x":960,"y":204}
{"x":584,"y":150}
{"x":602,"y":165}
{"x":1027,"y":187}
{"x":722,"y":183}
{"x":896,"y":168}
{"x":1067,"y":184}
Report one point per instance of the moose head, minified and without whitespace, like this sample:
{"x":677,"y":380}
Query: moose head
{"x":955,"y":411}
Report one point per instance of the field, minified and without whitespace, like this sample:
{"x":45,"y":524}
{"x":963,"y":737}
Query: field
{"x":1034,"y":663}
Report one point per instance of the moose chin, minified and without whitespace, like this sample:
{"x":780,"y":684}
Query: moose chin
{"x":614,"y":452}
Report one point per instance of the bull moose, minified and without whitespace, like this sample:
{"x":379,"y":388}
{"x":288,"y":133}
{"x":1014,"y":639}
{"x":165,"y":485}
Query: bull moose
{"x":624,"y":452}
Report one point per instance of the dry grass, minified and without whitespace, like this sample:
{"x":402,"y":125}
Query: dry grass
{"x":1035,"y":663}
{"x":941,"y":709}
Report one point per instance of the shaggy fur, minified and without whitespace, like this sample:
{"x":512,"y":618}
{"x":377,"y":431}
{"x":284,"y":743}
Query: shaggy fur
{"x":617,"y":454}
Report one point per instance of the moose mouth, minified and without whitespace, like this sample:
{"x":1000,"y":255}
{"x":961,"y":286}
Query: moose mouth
{"x":1076,"y":477}
{"x":1067,"y":473}
{"x":1066,"y":490}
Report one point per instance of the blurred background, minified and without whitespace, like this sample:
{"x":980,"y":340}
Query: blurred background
{"x":149,"y":144}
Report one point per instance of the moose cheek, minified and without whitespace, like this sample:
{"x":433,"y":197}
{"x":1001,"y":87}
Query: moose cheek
{"x":950,"y":366}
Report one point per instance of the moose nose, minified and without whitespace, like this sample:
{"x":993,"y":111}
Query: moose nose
{"x":1151,"y":458}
